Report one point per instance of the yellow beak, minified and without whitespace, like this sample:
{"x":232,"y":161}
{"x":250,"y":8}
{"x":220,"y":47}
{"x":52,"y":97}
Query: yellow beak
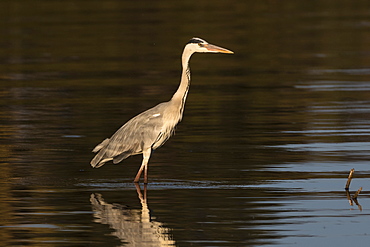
{"x":214,"y":48}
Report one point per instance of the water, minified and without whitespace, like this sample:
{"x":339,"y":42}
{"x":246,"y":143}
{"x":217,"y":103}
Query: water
{"x":261,"y":157}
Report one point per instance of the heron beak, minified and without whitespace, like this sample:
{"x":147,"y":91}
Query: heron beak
{"x":214,"y":48}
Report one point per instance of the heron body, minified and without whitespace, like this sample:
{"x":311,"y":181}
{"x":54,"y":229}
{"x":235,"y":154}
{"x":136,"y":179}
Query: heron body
{"x":152,"y":128}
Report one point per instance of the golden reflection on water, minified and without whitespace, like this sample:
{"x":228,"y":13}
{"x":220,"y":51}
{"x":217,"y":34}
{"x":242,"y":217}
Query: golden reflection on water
{"x":134,"y":227}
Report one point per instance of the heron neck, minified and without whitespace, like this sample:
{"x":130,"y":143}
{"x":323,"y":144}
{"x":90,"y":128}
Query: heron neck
{"x":183,"y":89}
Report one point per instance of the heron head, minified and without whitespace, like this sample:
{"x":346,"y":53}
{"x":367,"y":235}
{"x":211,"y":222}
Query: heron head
{"x":200,"y":45}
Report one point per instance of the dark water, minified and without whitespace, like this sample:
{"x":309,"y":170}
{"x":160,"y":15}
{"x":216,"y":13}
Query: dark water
{"x":261,"y":158}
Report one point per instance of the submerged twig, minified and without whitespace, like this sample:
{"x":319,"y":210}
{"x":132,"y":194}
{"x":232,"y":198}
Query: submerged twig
{"x":352,"y":199}
{"x":357,"y":193}
{"x":349,"y":178}
{"x":349,"y":198}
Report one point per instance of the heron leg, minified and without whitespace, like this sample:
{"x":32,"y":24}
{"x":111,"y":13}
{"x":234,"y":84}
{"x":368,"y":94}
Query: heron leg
{"x":144,"y":166}
{"x":146,"y":173}
{"x":142,"y":196}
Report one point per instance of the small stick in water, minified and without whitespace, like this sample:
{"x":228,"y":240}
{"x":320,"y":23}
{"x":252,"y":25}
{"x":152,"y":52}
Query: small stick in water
{"x":349,"y":178}
{"x":354,"y":198}
{"x":356,"y":194}
{"x":349,"y":198}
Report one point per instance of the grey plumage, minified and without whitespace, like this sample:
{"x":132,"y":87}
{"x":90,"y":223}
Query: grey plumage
{"x":151,"y":129}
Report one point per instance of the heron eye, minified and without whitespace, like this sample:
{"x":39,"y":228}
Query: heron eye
{"x":200,"y":44}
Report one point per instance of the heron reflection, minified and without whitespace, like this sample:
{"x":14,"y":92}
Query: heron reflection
{"x":134,"y":227}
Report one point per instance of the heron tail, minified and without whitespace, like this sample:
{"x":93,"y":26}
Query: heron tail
{"x":101,"y":145}
{"x":100,"y":159}
{"x":107,"y":152}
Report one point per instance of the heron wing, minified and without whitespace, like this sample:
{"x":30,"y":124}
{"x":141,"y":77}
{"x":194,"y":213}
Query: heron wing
{"x":138,"y":134}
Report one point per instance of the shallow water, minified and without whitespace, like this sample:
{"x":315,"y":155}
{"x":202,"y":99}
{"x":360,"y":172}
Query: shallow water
{"x":261,"y":157}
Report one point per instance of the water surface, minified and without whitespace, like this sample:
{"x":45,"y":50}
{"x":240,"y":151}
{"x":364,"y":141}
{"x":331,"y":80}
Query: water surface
{"x":261,"y":157}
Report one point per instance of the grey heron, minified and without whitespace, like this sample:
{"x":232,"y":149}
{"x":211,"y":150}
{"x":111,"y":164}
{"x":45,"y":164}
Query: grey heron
{"x":152,"y":128}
